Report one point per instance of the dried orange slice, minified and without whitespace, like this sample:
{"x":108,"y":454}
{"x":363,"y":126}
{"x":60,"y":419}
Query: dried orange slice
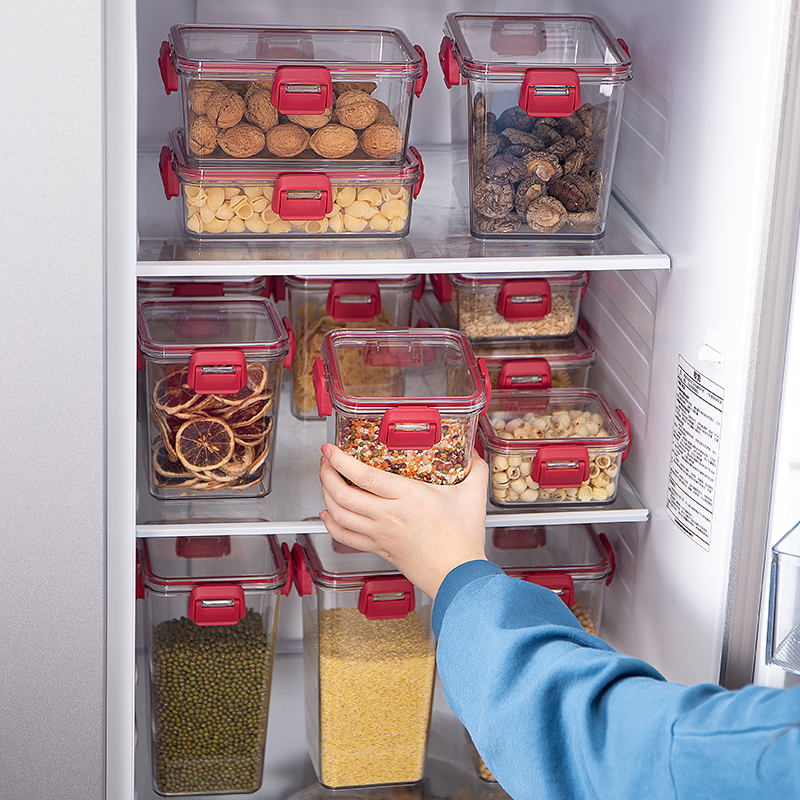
{"x":204,"y":444}
{"x":173,"y":393}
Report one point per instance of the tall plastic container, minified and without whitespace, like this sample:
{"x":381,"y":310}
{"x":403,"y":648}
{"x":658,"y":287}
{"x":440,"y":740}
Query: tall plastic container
{"x":369,"y":666}
{"x":783,"y":632}
{"x":211,"y":610}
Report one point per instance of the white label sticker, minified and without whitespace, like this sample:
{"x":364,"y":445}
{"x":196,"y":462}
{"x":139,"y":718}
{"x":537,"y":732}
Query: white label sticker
{"x":695,"y":453}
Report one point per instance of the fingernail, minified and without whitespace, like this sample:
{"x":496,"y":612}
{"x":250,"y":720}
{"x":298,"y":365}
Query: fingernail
{"x":326,"y":450}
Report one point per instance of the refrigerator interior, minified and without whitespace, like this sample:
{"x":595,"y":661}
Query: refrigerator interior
{"x":706,"y":289}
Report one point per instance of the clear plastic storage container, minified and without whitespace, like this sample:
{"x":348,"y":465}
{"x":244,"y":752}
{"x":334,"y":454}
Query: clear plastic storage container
{"x":405,"y":400}
{"x":320,"y":304}
{"x":211,"y":609}
{"x":783,"y":631}
{"x":369,"y":663}
{"x":512,"y":305}
{"x":536,"y":137}
{"x":559,"y":363}
{"x":241,"y":203}
{"x":278,"y":93}
{"x":204,"y":286}
{"x":213,"y":369}
{"x":553,"y":446}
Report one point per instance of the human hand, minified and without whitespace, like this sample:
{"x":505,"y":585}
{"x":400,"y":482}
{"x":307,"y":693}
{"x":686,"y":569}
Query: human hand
{"x":421,"y":529}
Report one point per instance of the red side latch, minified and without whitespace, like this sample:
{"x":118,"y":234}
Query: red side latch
{"x":411,"y":428}
{"x":289,"y":561}
{"x":323,"y":398}
{"x":530,"y":373}
{"x":524,"y":300}
{"x":217,"y":371}
{"x":302,"y":195}
{"x":167,"y":69}
{"x":303,"y":581}
{"x":218,"y":604}
{"x":386,"y":598}
{"x":448,"y":63}
{"x":172,"y":187}
{"x":419,"y":83}
{"x":356,"y":300}
{"x":302,"y":90}
{"x":560,"y":466}
{"x":550,"y":92}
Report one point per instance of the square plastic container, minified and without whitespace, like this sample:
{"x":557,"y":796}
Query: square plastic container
{"x":512,"y":305}
{"x":405,"y":400}
{"x":213,"y":369}
{"x":204,"y":286}
{"x":559,"y":363}
{"x":783,"y":631}
{"x":369,"y":663}
{"x":553,"y":447}
{"x":278,"y":93}
{"x":241,"y":203}
{"x":320,"y":304}
{"x":536,"y":138}
{"x":211,"y":610}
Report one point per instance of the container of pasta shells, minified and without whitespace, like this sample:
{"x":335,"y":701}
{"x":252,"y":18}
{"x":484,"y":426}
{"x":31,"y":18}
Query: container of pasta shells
{"x":210,"y":617}
{"x":234,"y":203}
{"x":320,"y":304}
{"x":553,"y":447}
{"x":405,"y":400}
{"x":512,"y":305}
{"x":213,"y":368}
{"x":370,"y":663}
{"x":535,"y":132}
{"x":267,"y":93}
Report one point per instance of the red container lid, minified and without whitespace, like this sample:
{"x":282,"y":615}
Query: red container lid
{"x":179,"y":564}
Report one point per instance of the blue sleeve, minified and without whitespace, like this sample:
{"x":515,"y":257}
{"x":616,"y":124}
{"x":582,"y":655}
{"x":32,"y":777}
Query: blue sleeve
{"x":557,"y":713}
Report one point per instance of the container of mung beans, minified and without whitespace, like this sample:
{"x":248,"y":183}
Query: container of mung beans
{"x":213,"y":369}
{"x":369,"y":664}
{"x":405,"y":400}
{"x":320,"y":304}
{"x":211,"y":609}
{"x":574,"y":561}
{"x":512,"y":305}
{"x":556,"y":447}
{"x":236,"y":203}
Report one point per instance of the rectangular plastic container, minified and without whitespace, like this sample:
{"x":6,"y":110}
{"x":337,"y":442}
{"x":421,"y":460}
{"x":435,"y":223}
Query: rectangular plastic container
{"x":553,"y":447}
{"x":211,"y":610}
{"x":405,"y":400}
{"x":320,"y":304}
{"x":535,"y":139}
{"x":200,"y":286}
{"x":512,"y":305}
{"x":783,"y":631}
{"x":369,"y":663}
{"x":213,"y":369}
{"x":559,"y":363}
{"x":278,"y":93}
{"x":241,"y":203}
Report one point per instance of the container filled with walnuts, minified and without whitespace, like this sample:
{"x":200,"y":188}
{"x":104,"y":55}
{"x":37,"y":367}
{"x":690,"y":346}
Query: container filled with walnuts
{"x":536,"y":139}
{"x":235,"y":202}
{"x":278,"y":93}
{"x":555,"y":447}
{"x":511,"y":305}
{"x":370,"y":663}
{"x":213,"y":369}
{"x":320,"y":304}
{"x":211,"y":610}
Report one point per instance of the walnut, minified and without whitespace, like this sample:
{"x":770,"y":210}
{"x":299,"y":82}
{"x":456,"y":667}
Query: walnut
{"x":493,"y":200}
{"x":505,"y":169}
{"x":260,"y":111}
{"x":203,"y":136}
{"x":242,"y":140}
{"x":341,"y":87}
{"x":240,"y":87}
{"x":546,"y":215}
{"x":258,"y":86}
{"x":287,"y":140}
{"x":382,"y":141}
{"x":334,"y":141}
{"x":542,"y":164}
{"x":199,"y":92}
{"x":385,"y":114}
{"x":313,"y":121}
{"x":356,"y":109}
{"x":225,"y":108}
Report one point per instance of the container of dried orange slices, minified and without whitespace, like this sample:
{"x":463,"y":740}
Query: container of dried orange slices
{"x":213,"y":369}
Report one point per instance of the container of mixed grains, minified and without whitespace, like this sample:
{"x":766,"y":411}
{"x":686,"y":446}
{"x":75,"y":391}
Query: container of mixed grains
{"x":369,"y":663}
{"x":575,"y":561}
{"x":405,"y":400}
{"x":503,"y":305}
{"x":211,"y":609}
{"x":213,"y":368}
{"x":320,"y":304}
{"x":553,"y":447}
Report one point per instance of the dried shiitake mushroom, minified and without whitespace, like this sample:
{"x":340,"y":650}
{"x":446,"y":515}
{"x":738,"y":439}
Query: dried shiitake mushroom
{"x":507,"y":224}
{"x":528,"y":189}
{"x":546,"y":215}
{"x":542,"y":165}
{"x":505,"y":169}
{"x":493,"y":200}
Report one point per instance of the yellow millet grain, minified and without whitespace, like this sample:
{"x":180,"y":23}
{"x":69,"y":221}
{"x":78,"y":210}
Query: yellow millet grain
{"x":376,"y":689}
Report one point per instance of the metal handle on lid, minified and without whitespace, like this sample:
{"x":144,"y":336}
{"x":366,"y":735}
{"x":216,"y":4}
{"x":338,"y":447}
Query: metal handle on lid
{"x":550,"y":92}
{"x":217,"y":371}
{"x":356,"y":300}
{"x":302,"y":90}
{"x":302,"y":195}
{"x":524,"y":300}
{"x":218,"y":604}
{"x":531,"y":373}
{"x":560,"y":466}
{"x":411,"y":428}
{"x":386,"y":598}
{"x":559,"y":582}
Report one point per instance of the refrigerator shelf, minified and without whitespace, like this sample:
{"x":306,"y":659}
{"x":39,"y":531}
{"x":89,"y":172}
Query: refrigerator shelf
{"x":439,"y":240}
{"x":294,"y":503}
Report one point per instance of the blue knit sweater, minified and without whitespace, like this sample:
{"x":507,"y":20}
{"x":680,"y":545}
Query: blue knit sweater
{"x":557,"y":714}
